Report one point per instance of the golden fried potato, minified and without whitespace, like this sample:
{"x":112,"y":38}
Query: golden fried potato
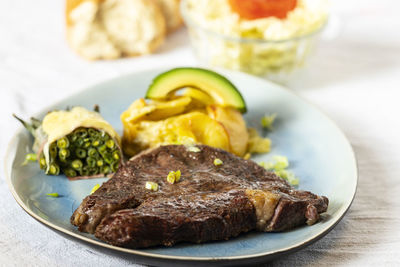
{"x":208,"y":131}
{"x":234,"y":124}
{"x":155,"y":110}
{"x":189,"y":128}
{"x":198,"y":96}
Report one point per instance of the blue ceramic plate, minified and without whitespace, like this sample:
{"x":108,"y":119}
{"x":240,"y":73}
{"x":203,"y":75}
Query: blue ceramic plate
{"x":318,"y":151}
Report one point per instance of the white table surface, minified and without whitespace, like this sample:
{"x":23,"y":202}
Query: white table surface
{"x":354,"y":78}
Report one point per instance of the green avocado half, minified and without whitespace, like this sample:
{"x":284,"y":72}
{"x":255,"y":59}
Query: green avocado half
{"x":217,"y":86}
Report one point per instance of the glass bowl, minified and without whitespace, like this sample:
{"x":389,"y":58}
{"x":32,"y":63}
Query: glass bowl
{"x":276,"y":60}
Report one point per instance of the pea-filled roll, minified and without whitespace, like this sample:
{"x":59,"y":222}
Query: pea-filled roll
{"x":76,"y":142}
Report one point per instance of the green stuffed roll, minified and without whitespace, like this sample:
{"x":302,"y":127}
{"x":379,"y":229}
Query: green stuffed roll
{"x":78,"y":143}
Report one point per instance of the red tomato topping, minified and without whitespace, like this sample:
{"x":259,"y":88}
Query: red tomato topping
{"x":255,"y":9}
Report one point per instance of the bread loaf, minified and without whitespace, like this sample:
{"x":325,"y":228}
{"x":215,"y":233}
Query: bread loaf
{"x":109,"y":29}
{"x":171,"y":11}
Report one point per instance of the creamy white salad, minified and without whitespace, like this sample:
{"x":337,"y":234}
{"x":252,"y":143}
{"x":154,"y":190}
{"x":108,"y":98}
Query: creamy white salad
{"x":280,"y":48}
{"x":217,"y":15}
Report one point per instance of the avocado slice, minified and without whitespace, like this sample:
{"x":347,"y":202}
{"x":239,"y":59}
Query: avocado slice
{"x":217,"y":86}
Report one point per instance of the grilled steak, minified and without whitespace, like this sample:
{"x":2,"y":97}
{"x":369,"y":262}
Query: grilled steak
{"x":208,"y":203}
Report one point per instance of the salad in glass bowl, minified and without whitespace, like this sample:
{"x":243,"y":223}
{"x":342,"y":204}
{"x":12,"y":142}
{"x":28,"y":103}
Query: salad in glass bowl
{"x":270,"y":38}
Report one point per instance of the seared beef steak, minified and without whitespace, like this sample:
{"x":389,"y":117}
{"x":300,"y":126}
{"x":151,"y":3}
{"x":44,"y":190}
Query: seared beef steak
{"x":208,"y":203}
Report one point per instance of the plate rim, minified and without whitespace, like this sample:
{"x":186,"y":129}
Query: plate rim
{"x":342,"y":211}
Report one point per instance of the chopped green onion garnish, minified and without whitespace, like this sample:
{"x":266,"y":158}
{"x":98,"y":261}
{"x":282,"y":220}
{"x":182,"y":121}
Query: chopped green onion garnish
{"x":267,"y":165}
{"x":151,"y":186}
{"x":96,"y":143}
{"x":110,"y":143}
{"x":54,"y":169}
{"x":63,"y":153}
{"x":116,"y":155}
{"x":114,"y":166}
{"x":86,"y":145}
{"x":247,"y":156}
{"x":171,"y":178}
{"x":174,"y":177}
{"x":91,"y":162}
{"x":70,"y":172}
{"x":278,"y":166}
{"x":288,"y":176}
{"x":194,"y":149}
{"x":99,"y":163}
{"x":53,"y":150}
{"x":63,"y":142}
{"x":77,"y":164}
{"x":105,"y":169}
{"x":30,"y":157}
{"x":108,"y":158}
{"x":92,"y":152}
{"x":218,"y":162}
{"x":93,"y":132}
{"x":102,"y":149}
{"x":267,"y":121}
{"x":177,"y":175}
{"x":94,"y":188}
{"x":93,"y":170}
{"x":81,"y":132}
{"x":294,"y":181}
{"x":53,"y":195}
{"x":80,"y":153}
{"x":281,"y":162}
{"x":42,"y":163}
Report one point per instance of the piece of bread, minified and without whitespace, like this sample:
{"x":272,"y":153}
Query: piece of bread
{"x":109,"y":29}
{"x":172,"y":14}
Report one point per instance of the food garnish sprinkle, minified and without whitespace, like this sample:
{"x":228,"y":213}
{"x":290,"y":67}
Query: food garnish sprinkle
{"x":151,"y":186}
{"x":194,"y":149}
{"x":94,"y":189}
{"x":218,"y":162}
{"x":174,"y":177}
{"x":267,"y":121}
{"x":30,"y":157}
{"x":278,"y":166}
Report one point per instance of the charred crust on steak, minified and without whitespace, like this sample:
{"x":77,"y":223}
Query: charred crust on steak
{"x":208,"y":203}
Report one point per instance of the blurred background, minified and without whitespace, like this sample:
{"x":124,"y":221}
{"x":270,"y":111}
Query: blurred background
{"x":353,"y":76}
